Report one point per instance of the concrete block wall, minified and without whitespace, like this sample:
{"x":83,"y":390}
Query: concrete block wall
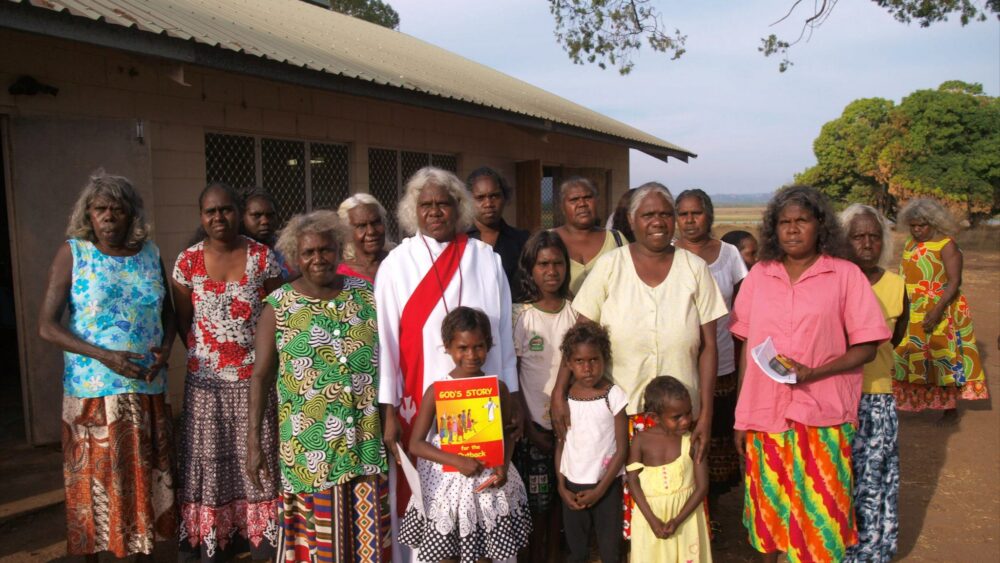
{"x":99,"y":82}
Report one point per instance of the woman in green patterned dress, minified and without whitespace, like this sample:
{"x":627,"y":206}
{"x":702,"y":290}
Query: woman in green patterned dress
{"x":316,"y":339}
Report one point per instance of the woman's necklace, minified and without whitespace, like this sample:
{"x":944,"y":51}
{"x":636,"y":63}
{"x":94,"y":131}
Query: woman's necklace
{"x":437,"y":275}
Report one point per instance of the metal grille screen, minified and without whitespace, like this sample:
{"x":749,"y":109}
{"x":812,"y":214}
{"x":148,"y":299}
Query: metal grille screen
{"x":230,"y":159}
{"x":548,"y":204}
{"x":329,"y":178}
{"x":301,"y":176}
{"x":284,"y":169}
{"x":383,"y":184}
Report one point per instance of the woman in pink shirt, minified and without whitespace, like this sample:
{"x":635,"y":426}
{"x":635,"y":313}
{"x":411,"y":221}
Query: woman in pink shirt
{"x":821,"y":314}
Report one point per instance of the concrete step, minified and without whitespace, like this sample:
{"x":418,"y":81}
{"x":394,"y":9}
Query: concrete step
{"x":18,"y":508}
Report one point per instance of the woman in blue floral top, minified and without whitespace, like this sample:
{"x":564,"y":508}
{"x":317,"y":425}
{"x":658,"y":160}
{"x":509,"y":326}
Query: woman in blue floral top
{"x":116,"y":423}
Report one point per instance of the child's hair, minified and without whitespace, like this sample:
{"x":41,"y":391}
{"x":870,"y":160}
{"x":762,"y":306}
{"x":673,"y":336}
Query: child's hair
{"x":661,"y":389}
{"x":526,"y":263}
{"x":587,"y":333}
{"x":736,"y":238}
{"x":465,"y":319}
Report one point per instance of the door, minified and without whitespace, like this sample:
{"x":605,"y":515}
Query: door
{"x":50,"y":159}
{"x":528,"y":194}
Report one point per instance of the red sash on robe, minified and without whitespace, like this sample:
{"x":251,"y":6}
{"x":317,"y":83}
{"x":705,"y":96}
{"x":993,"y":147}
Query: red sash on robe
{"x":418,"y":309}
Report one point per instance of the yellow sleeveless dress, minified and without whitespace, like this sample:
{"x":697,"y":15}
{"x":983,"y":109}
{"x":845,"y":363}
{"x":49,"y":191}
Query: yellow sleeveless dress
{"x":667,"y":488}
{"x":932,"y":370}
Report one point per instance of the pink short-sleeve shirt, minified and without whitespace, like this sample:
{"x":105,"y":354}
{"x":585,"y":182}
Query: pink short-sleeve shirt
{"x":812,"y":321}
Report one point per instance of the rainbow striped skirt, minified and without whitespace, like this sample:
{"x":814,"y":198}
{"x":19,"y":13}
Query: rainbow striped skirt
{"x":799,"y":491}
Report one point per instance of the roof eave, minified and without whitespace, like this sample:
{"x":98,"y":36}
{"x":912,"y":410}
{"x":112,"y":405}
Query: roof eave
{"x":63,"y":25}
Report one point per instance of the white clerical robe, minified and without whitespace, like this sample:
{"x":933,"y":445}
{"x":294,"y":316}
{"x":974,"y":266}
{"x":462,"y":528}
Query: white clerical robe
{"x":483,"y":285}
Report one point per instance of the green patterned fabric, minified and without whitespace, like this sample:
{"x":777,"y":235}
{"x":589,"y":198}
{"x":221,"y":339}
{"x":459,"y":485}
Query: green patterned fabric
{"x":328,"y":420}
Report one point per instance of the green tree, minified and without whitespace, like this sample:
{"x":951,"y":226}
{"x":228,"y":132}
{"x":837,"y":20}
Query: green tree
{"x":610,"y":32}
{"x":373,"y":11}
{"x":942,"y":143}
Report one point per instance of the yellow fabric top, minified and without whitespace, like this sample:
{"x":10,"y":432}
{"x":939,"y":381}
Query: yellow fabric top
{"x":878,"y":373}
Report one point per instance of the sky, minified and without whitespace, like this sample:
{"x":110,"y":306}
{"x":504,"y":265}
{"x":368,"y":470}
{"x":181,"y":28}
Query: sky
{"x":751,"y":126}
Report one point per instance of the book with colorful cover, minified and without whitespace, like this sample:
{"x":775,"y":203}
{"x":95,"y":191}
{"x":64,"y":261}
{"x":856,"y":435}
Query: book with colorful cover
{"x":468,"y":418}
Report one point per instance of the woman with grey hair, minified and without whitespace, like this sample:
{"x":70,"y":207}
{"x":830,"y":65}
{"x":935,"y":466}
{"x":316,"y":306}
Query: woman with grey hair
{"x":317,"y":340}
{"x":581,"y":232}
{"x":364,"y":220}
{"x":430,"y":273}
{"x":875,"y":447}
{"x":660,"y":305}
{"x":938,"y":360}
{"x":116,"y":423}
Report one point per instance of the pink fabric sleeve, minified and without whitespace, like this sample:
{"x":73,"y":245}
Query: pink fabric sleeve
{"x":739,"y":324}
{"x":863,"y":319}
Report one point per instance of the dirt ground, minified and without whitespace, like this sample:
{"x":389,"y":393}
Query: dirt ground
{"x":949,"y":498}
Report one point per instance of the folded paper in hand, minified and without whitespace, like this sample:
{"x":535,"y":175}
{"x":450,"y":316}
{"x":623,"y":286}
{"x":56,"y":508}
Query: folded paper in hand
{"x":762,"y":355}
{"x":412,"y":477}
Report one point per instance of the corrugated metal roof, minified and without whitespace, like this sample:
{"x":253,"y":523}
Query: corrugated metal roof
{"x":297,"y":33}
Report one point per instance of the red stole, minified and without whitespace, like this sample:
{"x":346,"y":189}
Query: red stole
{"x":418,"y":309}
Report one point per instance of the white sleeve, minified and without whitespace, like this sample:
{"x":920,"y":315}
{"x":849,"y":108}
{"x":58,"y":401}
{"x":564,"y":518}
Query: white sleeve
{"x":388,"y":310}
{"x":617,"y":399}
{"x":739,"y":267}
{"x":505,"y":340}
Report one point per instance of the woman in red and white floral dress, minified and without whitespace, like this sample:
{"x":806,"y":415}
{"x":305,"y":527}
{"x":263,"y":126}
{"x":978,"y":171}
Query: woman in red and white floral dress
{"x":218,"y":287}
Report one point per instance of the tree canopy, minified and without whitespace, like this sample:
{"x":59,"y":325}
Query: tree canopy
{"x":372,"y":11}
{"x":610,"y":32}
{"x":942,"y":143}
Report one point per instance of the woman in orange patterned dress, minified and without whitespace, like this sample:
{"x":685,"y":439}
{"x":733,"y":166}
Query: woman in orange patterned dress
{"x":938,"y":361}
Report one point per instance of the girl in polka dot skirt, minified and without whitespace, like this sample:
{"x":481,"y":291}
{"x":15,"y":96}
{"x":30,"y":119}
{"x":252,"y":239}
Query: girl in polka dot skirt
{"x":461,"y":520}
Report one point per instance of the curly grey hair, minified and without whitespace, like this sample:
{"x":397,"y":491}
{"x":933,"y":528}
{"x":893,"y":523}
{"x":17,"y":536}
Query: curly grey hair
{"x":319,"y":222}
{"x":355,"y":201}
{"x":931,"y":211}
{"x":119,"y":190}
{"x":855,"y":210}
{"x":406,"y":211}
{"x":646,"y":190}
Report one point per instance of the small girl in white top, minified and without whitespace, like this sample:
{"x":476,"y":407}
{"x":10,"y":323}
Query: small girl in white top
{"x":539,"y":325}
{"x":589,"y":461}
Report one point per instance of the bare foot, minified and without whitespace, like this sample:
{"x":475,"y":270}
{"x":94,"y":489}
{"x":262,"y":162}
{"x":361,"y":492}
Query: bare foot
{"x":948,"y":418}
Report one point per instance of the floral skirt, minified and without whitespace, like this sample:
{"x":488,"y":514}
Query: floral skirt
{"x":799,"y":492}
{"x":916,"y":397}
{"x":723,"y":460}
{"x":222,"y":512}
{"x":458,"y":523}
{"x":345,"y":523}
{"x":117,"y":468}
{"x":875,"y":452}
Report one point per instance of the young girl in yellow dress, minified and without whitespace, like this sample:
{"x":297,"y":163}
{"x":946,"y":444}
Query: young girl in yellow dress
{"x":668,"y":486}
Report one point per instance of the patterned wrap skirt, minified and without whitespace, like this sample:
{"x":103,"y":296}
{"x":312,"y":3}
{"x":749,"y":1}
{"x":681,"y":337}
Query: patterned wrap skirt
{"x":117,"y":460}
{"x":916,"y":397}
{"x":346,"y":523}
{"x":875,"y":452}
{"x":798,"y":496}
{"x":222,"y":512}
{"x":723,"y":460}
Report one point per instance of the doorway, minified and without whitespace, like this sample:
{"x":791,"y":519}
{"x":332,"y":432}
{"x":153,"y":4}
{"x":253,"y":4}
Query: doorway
{"x":11,"y":402}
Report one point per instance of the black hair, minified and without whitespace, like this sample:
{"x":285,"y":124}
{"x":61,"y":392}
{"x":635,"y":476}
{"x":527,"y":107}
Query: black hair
{"x":199,"y":233}
{"x":465,"y":319}
{"x":706,"y":203}
{"x":586,"y":333}
{"x":830,"y":239}
{"x":252,"y":193}
{"x":736,"y":238}
{"x":487,"y":172}
{"x":619,"y":219}
{"x":529,"y":292}
{"x":660,"y":390}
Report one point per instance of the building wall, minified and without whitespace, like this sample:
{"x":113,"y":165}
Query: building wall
{"x":97,"y":82}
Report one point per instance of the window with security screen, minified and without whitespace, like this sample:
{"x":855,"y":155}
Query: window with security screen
{"x":388,"y":171}
{"x":300,"y":175}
